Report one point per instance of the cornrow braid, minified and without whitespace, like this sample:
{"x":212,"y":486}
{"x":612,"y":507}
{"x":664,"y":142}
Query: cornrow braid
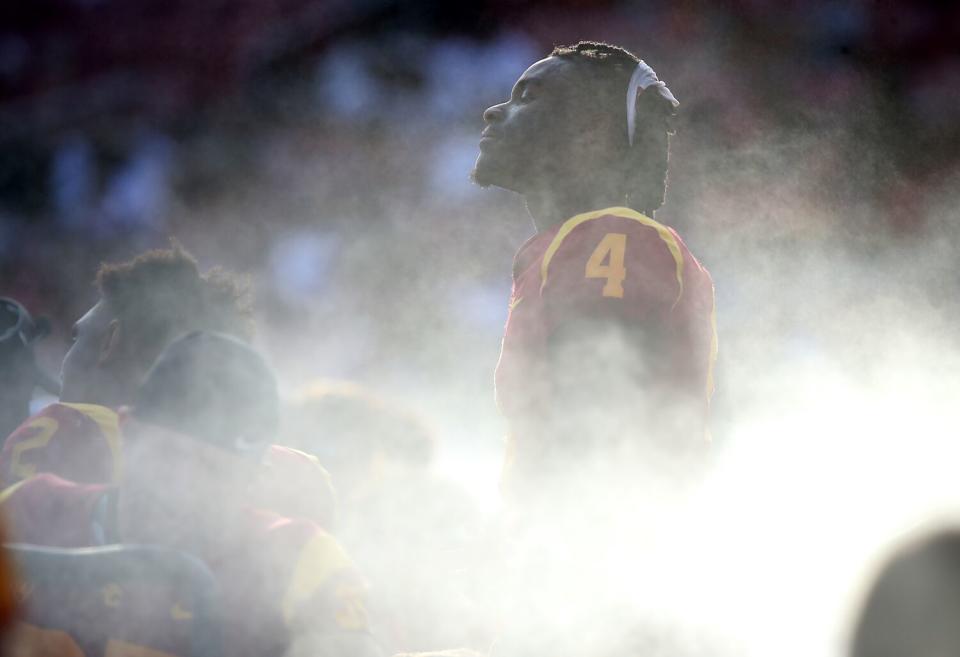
{"x":600,"y":53}
{"x":642,"y":168}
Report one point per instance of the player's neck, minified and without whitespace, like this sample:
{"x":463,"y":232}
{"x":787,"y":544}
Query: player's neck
{"x":551,"y":207}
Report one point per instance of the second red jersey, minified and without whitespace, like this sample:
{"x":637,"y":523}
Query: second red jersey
{"x":83,"y":443}
{"x":79,"y":442}
{"x":279,"y":578}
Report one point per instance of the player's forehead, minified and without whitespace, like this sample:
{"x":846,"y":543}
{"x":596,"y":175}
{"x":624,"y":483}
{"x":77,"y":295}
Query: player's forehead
{"x":549,"y":71}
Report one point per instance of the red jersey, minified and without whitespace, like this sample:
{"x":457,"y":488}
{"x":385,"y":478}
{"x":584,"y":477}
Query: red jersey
{"x":613,"y":267}
{"x":79,"y":442}
{"x":82,"y":443}
{"x":280,"y":578}
{"x":295,"y":485}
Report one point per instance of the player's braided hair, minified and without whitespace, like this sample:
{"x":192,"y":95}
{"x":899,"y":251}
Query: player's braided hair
{"x":642,"y":167}
{"x":161,"y":294}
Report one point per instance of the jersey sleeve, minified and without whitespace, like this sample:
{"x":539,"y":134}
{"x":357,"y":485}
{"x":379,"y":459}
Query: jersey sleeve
{"x":47,"y":510}
{"x":293,"y":484}
{"x":324,"y":593}
{"x":78,"y":442}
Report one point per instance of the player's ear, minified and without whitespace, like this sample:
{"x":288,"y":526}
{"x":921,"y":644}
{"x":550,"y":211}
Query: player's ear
{"x":110,"y":342}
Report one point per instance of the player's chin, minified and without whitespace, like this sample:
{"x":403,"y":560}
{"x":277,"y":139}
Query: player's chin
{"x":489,"y":172}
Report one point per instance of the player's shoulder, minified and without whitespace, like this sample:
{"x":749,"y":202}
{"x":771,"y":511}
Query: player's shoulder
{"x":581,"y":228}
{"x":615,"y":240}
{"x":49,"y":489}
{"x":295,"y":484}
{"x":298,"y":538}
{"x":105,"y":417}
{"x":281,"y":456}
{"x":317,"y":571}
{"x":62,"y":417}
{"x":302,"y":469}
{"x":77,"y":441}
{"x":580,"y":235}
{"x":289,"y":538}
{"x":48,"y":510}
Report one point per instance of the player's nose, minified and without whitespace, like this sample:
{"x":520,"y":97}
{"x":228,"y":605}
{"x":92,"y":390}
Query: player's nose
{"x":494,"y":113}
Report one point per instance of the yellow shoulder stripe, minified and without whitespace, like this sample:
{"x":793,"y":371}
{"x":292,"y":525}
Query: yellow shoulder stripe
{"x":120,"y":648}
{"x":314,"y":462}
{"x":310,"y":457}
{"x":626,"y":213}
{"x":109,"y":422}
{"x":8,"y":492}
{"x":320,"y":559}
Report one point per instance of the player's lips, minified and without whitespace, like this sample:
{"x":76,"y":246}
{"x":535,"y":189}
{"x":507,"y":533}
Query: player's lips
{"x":486,"y":139}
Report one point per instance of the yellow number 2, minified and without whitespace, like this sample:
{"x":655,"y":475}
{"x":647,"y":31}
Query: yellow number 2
{"x":611,"y":249}
{"x":45,"y":428}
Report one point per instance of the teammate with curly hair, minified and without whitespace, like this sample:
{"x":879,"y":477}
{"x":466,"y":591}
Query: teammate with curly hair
{"x":193,"y":440}
{"x":145,"y":304}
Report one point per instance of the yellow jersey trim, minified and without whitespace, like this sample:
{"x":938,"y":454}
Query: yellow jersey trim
{"x":311,"y":459}
{"x":8,"y":492}
{"x":120,"y":648}
{"x":109,"y":422}
{"x":626,"y":213}
{"x":320,"y":559}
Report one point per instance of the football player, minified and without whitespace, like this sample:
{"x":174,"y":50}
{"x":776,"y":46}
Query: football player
{"x":609,"y":343}
{"x":192,"y":448}
{"x":144,"y":304}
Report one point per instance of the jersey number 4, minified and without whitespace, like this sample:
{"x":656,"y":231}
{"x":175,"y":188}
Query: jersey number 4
{"x":606,"y":261}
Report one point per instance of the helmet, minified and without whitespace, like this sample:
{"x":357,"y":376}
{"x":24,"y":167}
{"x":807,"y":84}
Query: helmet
{"x":18,"y":331}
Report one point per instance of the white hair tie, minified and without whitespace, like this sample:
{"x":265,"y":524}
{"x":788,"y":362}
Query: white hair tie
{"x":642,"y":78}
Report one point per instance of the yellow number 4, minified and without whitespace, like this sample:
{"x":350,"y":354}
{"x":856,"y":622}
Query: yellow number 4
{"x":611,"y":249}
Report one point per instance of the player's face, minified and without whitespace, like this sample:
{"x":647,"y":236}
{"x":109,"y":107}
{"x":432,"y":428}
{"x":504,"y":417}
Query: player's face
{"x":528,"y":136}
{"x":86,"y":369}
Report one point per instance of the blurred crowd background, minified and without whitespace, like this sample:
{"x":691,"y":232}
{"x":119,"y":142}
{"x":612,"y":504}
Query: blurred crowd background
{"x":323,"y":148}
